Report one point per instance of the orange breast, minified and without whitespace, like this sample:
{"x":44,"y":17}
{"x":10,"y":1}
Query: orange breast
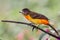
{"x":36,"y":21}
{"x":44,"y":21}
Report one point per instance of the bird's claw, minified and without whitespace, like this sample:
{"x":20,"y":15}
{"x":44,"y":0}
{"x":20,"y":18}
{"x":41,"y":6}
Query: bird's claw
{"x":32,"y":28}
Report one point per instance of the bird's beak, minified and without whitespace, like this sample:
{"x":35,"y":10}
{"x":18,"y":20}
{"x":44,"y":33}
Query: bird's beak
{"x":20,"y":12}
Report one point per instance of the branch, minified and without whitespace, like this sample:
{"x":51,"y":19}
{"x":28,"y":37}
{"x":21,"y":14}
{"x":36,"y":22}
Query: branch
{"x":31,"y":26}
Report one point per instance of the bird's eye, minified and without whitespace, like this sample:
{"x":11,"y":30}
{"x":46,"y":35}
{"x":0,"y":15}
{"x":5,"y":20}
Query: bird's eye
{"x":25,"y":11}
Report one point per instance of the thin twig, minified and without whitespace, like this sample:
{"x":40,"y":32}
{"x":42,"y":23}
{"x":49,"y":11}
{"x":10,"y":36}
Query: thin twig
{"x":31,"y":25}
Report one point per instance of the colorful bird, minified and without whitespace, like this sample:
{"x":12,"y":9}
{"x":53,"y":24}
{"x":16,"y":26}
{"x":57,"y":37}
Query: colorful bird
{"x":36,"y":18}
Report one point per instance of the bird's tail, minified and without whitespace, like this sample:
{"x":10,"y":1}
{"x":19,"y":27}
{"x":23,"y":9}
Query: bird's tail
{"x":54,"y":29}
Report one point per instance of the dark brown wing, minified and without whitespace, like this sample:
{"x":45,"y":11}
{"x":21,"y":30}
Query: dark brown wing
{"x":37,"y":16}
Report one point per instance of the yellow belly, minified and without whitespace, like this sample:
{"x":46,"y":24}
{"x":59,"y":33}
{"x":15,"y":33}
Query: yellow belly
{"x":36,"y":21}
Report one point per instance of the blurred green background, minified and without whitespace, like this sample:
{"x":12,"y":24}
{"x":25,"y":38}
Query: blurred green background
{"x":9,"y":10}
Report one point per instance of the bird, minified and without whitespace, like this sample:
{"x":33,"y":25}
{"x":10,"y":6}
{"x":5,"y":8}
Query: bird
{"x":36,"y":18}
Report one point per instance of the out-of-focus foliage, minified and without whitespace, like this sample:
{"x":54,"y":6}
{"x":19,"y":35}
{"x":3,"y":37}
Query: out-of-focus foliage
{"x":9,"y":10}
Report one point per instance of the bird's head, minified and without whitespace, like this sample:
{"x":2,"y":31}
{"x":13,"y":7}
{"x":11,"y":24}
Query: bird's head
{"x":25,"y":11}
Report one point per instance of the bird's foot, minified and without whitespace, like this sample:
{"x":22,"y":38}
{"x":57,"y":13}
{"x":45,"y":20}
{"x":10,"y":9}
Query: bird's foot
{"x":33,"y":29}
